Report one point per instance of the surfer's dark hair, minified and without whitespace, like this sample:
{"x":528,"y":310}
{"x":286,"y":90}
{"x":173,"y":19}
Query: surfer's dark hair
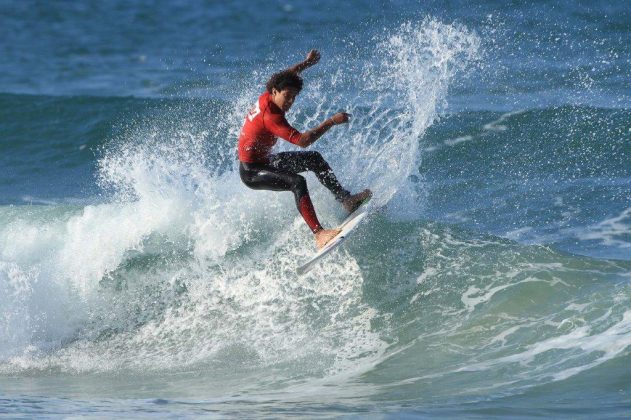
{"x":283,"y":80}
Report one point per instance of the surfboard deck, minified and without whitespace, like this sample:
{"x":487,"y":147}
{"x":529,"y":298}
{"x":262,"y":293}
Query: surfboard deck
{"x":347,"y":226}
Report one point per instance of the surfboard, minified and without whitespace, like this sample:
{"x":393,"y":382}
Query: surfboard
{"x":347,"y":226}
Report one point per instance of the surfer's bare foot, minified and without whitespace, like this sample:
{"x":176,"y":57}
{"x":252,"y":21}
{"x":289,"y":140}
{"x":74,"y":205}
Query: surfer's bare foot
{"x":323,"y":236}
{"x":352,"y":202}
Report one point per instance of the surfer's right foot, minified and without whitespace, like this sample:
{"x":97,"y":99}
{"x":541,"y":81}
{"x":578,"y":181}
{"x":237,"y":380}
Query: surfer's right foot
{"x":352,"y":202}
{"x":324,"y":236}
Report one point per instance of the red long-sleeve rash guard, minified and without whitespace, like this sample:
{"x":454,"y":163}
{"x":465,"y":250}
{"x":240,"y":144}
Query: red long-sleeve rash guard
{"x":263,"y":125}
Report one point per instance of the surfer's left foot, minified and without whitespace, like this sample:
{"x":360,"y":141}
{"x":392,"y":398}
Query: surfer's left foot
{"x":352,"y":202}
{"x":324,"y":236}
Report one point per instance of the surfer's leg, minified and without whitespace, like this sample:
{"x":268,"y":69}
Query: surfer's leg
{"x":264,"y":177}
{"x":314,"y":162}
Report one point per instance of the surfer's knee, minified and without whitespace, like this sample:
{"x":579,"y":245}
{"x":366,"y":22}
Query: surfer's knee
{"x":299,"y":185}
{"x":315,"y":156}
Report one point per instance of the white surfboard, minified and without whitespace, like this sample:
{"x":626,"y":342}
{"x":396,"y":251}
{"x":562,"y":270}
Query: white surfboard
{"x":347,"y":227}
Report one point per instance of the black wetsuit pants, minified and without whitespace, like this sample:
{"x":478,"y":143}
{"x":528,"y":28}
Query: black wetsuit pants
{"x":281,"y":174}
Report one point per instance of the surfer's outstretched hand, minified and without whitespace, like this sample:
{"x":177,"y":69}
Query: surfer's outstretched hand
{"x":313,"y":57}
{"x":341,"y":118}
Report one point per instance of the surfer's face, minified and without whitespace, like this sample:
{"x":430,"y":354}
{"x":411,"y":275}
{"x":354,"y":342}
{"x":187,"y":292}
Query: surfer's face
{"x":285,"y":98}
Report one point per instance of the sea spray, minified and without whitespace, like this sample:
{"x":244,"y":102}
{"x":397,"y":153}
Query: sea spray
{"x":402,"y":93}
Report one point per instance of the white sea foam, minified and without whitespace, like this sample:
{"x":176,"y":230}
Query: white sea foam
{"x":497,"y":125}
{"x":458,"y":140}
{"x":614,"y":231}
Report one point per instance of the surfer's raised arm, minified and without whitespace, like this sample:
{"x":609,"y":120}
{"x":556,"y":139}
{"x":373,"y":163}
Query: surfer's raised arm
{"x":312,"y":58}
{"x":310,"y":136}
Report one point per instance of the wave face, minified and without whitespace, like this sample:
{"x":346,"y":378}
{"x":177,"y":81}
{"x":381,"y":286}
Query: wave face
{"x":497,"y":264}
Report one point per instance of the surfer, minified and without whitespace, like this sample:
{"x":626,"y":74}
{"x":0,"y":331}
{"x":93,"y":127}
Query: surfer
{"x":261,"y":170}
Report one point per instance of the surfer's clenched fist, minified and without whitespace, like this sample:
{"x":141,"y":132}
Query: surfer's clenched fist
{"x":340,"y":118}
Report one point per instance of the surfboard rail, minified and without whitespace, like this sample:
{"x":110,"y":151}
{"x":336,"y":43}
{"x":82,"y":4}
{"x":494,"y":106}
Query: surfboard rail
{"x":347,"y":226}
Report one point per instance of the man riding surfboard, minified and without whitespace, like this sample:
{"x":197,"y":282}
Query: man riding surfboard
{"x":262,"y":170}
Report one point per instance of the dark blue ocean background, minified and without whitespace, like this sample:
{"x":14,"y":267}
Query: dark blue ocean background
{"x":139,"y":277}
